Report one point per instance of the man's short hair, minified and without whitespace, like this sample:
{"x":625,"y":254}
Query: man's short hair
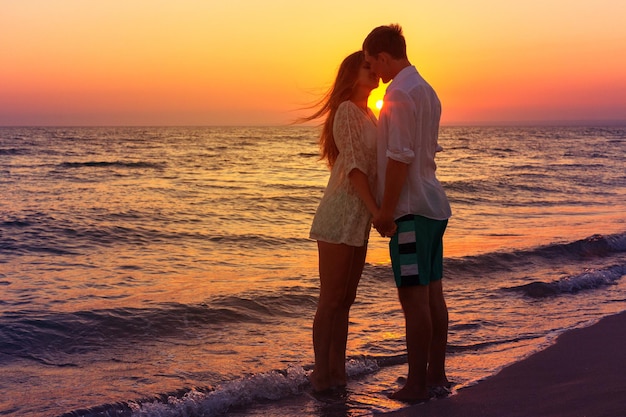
{"x":387,"y":39}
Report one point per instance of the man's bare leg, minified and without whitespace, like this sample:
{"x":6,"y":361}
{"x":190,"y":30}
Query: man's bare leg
{"x":415,"y":304}
{"x":439,"y":315}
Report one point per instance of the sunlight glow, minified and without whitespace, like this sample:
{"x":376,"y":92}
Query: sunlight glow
{"x":165,"y":63}
{"x":375,"y":100}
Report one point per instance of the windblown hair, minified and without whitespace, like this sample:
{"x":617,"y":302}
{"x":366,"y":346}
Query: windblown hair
{"x":387,"y":39}
{"x":345,"y":82}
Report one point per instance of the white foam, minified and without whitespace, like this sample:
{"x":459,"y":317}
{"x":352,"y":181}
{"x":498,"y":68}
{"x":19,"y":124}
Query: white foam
{"x":592,"y":279}
{"x":272,"y":385}
{"x":242,"y":392}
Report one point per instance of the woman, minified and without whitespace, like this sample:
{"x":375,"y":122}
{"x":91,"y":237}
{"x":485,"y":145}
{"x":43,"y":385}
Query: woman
{"x":343,"y":219}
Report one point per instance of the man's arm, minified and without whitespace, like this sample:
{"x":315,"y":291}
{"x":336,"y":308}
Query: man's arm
{"x":395,"y":177}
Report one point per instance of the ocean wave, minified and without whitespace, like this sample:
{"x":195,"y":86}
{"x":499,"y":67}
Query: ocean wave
{"x":29,"y":233}
{"x":237,"y":393}
{"x":47,"y":337}
{"x":242,"y":392}
{"x":589,"y":280}
{"x":287,"y":303}
{"x":592,"y":246}
{"x":208,"y":401}
{"x":256,"y":240}
{"x":528,"y":186}
{"x":617,"y":242}
{"x":490,"y":191}
{"x":249,"y":390}
{"x":309,"y":155}
{"x":219,"y":399}
{"x":42,"y":233}
{"x":596,"y":246}
{"x":14,"y":151}
{"x":114,"y":164}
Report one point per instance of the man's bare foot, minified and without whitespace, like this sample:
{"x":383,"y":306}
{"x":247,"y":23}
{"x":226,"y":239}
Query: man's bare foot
{"x":410,"y":395}
{"x":444,"y":384}
{"x":439,"y":380}
{"x":338,"y":381}
{"x":319,"y":384}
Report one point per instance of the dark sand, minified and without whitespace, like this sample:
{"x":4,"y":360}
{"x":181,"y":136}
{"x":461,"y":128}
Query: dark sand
{"x":582,"y":375}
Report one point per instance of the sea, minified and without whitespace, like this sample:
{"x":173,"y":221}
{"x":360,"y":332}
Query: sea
{"x":167,"y":271}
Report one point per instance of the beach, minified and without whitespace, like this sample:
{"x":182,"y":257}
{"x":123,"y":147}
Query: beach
{"x":156,"y":270}
{"x":582,"y":374}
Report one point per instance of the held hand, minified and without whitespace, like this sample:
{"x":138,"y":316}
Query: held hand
{"x":385,"y":226}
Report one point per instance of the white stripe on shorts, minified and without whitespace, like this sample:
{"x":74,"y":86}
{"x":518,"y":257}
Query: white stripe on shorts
{"x":406,"y":237}
{"x":409,"y":270}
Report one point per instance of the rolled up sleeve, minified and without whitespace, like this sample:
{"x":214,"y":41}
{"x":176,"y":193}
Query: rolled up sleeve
{"x":400,"y":145}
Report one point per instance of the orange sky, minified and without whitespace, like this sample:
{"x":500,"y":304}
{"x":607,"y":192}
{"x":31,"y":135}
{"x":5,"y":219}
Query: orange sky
{"x":248,"y":62}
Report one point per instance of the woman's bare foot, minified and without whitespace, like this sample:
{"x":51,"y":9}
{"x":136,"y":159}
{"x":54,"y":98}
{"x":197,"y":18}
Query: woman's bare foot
{"x":319,"y":384}
{"x":410,"y":395}
{"x":338,"y":381}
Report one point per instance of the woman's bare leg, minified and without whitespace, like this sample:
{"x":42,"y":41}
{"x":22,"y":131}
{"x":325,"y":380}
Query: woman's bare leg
{"x":338,"y":281}
{"x":342,"y":318}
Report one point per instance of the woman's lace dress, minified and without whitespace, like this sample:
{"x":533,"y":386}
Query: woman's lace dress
{"x":341,"y":216}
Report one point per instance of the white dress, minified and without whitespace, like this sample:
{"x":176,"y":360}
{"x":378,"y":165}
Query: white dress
{"x":342,"y":217}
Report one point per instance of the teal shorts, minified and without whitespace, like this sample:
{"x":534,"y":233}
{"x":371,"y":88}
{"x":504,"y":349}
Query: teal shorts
{"x":417,"y":250}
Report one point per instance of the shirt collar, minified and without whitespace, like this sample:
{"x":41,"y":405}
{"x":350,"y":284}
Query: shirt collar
{"x":404,"y":74}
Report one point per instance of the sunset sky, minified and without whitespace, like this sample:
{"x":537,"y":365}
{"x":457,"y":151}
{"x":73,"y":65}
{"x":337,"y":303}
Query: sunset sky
{"x":249,"y":62}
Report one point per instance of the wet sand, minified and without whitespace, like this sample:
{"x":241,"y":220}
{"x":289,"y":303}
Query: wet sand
{"x":582,"y":375}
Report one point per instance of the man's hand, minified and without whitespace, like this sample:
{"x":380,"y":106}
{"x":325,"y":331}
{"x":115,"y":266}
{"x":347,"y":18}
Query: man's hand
{"x":384,"y":225}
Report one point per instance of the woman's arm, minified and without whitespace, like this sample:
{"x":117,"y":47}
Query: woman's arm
{"x":360,"y":183}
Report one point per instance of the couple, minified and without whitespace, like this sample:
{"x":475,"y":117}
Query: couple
{"x":392,"y":158}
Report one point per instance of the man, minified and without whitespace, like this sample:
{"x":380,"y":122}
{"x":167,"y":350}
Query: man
{"x":414,"y":204}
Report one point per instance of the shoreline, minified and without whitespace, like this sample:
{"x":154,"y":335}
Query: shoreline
{"x":582,"y":374}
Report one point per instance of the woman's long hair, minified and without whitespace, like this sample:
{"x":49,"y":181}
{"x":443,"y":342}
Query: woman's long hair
{"x":341,"y":91}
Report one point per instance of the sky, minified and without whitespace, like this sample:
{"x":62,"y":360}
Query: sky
{"x":251,"y":62}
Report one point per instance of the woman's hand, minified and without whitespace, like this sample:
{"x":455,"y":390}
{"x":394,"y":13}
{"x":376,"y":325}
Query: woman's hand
{"x":385,"y":225}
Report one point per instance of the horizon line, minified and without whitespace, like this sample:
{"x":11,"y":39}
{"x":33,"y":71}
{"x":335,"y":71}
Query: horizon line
{"x":520,"y":123}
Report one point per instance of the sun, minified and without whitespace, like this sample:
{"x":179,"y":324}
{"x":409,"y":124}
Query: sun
{"x":375,"y":100}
